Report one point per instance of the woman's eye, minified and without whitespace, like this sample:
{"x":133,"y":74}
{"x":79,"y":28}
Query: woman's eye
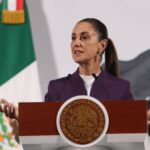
{"x":83,"y":38}
{"x":73,"y":38}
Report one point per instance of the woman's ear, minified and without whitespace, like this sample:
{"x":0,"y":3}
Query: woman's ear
{"x":102,"y":45}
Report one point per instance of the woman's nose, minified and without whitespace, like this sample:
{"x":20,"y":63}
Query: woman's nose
{"x":77,"y":42}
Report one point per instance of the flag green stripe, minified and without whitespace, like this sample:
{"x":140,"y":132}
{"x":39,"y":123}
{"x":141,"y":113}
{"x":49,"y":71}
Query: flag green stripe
{"x":5,"y":4}
{"x":16,"y":48}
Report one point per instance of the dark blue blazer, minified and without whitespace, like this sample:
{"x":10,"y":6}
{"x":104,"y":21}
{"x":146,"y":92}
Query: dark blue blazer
{"x":106,"y":87}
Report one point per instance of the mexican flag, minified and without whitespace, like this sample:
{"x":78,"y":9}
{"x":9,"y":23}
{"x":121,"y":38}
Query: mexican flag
{"x":13,"y":11}
{"x":19,"y":80}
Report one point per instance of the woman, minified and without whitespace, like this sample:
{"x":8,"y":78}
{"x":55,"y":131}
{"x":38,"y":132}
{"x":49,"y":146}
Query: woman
{"x":89,"y":42}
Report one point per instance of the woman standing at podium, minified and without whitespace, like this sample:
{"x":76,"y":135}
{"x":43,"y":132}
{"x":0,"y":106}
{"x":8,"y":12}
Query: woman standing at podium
{"x":89,"y":42}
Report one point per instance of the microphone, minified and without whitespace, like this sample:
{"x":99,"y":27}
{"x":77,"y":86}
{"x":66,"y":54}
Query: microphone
{"x":64,"y":85}
{"x":100,"y":83}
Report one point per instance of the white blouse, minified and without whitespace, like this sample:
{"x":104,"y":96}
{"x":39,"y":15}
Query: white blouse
{"x":88,"y":82}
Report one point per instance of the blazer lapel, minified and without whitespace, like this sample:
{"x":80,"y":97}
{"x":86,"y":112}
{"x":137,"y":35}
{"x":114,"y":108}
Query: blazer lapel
{"x":78,"y":84}
{"x":99,"y":90}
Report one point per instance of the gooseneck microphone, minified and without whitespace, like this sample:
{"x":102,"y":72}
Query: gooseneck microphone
{"x":100,"y":83}
{"x":64,"y":85}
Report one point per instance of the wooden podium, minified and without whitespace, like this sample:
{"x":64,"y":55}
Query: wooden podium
{"x":127,"y":122}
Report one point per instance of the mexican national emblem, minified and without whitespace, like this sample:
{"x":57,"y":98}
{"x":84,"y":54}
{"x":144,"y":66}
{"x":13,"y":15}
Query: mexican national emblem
{"x":82,"y":121}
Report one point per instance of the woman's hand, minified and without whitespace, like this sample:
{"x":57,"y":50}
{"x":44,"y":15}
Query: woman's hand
{"x":9,"y":109}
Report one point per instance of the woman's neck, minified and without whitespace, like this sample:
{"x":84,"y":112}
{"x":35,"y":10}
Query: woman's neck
{"x":89,"y":69}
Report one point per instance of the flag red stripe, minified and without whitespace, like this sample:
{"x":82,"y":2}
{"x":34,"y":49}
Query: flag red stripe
{"x":20,"y":4}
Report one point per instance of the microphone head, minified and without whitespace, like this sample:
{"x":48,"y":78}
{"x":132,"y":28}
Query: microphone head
{"x":68,"y":76}
{"x":95,"y":76}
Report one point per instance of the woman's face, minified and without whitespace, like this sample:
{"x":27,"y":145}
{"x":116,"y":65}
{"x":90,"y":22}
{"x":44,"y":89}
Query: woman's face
{"x":85,"y":45}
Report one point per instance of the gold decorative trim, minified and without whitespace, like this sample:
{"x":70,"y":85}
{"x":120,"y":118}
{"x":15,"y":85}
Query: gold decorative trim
{"x":13,"y":17}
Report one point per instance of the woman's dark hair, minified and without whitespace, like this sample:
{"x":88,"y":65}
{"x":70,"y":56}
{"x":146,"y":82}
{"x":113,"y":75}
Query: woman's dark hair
{"x":111,"y":59}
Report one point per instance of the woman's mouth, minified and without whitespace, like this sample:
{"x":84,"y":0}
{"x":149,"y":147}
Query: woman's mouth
{"x":78,"y":51}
